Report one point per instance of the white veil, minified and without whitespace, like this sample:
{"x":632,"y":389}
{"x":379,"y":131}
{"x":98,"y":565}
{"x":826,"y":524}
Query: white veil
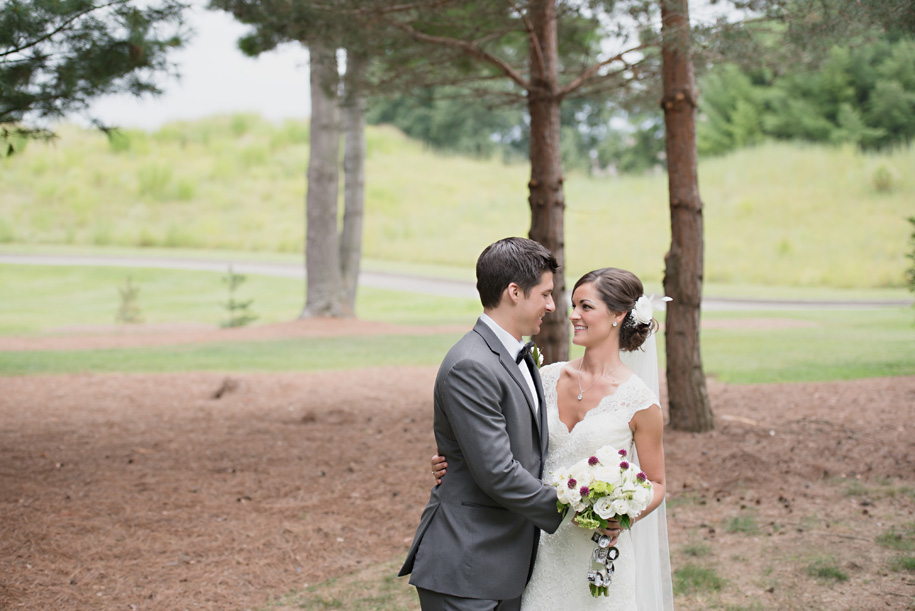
{"x":653,"y":586}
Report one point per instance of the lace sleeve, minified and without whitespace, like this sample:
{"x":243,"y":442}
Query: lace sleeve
{"x":637,"y":397}
{"x":549,"y":374}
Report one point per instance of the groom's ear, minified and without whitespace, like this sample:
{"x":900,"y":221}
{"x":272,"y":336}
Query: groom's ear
{"x":512,"y":293}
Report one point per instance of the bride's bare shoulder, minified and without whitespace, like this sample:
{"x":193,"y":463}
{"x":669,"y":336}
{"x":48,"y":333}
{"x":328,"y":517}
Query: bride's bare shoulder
{"x":626,"y":374}
{"x":567,"y":368}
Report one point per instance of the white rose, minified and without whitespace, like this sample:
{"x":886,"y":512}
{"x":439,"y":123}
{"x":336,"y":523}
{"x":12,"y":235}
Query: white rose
{"x":619,"y":507}
{"x":642,"y":497}
{"x":574,"y":497}
{"x":607,"y":455}
{"x":610,"y":475}
{"x":643,"y":311}
{"x":603,"y":507}
{"x":561,"y":483}
{"x":583,"y":474}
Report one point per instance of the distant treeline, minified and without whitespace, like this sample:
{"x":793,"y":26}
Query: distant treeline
{"x":862,"y":95}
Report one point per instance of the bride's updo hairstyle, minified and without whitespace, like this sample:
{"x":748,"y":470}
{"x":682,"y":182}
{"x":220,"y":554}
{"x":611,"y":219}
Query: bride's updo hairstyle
{"x":619,"y":290}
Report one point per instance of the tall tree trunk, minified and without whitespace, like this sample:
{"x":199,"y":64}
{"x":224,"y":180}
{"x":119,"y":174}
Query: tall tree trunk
{"x":322,"y":255}
{"x":354,"y":177}
{"x":546,"y":195}
{"x":686,"y":389}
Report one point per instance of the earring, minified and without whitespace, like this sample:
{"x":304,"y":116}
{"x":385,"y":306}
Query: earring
{"x":614,"y":323}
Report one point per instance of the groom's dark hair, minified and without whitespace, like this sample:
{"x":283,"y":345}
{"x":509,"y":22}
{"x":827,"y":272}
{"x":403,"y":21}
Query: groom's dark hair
{"x":517,"y":260}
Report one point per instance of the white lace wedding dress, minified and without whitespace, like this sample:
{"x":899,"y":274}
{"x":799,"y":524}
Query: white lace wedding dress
{"x":563,"y":559}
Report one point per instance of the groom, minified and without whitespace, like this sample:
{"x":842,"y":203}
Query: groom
{"x":478,"y":535}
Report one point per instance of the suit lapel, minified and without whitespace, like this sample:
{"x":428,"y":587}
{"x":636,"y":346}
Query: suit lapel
{"x":509,"y":365}
{"x":544,"y":431}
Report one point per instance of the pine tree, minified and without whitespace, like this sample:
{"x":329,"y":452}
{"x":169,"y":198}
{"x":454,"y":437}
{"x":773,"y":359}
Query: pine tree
{"x":57,"y":57}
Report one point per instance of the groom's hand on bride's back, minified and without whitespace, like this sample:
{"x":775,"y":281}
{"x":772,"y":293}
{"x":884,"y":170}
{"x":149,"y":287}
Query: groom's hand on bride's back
{"x":439,"y":468}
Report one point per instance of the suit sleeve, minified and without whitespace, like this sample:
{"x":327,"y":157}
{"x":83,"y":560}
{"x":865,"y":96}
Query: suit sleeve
{"x":471,"y":393}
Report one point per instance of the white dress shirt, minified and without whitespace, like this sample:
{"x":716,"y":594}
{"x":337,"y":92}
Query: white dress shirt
{"x":514,"y":347}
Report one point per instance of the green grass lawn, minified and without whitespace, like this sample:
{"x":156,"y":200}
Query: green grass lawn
{"x":41,"y":299}
{"x":841,"y":345}
{"x":777,"y":214}
{"x":316,"y":354}
{"x":836,"y":344}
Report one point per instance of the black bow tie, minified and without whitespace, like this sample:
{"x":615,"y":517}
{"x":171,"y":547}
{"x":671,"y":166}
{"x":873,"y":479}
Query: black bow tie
{"x":525,"y":352}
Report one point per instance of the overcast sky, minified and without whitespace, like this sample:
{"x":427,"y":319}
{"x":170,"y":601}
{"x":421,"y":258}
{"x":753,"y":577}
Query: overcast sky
{"x":217,"y":78}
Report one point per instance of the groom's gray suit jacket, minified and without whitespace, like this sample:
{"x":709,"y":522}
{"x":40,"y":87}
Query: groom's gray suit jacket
{"x":479,"y":532}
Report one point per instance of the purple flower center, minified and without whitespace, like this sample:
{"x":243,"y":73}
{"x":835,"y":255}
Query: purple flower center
{"x":585,"y":491}
{"x":593,"y":461}
{"x":572,"y":483}
{"x":641,"y":476}
{"x":624,"y":465}
{"x":622,"y":452}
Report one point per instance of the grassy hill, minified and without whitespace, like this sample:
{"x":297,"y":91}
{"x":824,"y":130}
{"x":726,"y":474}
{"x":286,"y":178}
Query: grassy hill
{"x":777,"y":214}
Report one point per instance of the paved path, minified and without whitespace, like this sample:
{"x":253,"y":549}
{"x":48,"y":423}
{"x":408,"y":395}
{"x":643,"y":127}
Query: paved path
{"x":403,"y":282}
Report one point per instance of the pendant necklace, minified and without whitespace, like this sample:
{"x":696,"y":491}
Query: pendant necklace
{"x":582,"y":392}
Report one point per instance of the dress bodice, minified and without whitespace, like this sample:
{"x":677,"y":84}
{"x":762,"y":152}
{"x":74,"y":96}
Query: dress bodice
{"x":605,"y":424}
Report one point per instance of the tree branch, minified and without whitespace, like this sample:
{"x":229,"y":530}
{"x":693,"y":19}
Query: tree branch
{"x":590,"y":72}
{"x":399,"y":8}
{"x":495,"y":34}
{"x":386,"y":10}
{"x":467,"y":47}
{"x":535,"y":41}
{"x":62,"y":26}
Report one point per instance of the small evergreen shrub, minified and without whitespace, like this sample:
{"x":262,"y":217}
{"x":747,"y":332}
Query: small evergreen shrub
{"x":129,"y":311}
{"x":239,"y":312}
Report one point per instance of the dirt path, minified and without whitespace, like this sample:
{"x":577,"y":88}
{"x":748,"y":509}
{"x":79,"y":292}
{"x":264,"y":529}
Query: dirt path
{"x":400,"y":282}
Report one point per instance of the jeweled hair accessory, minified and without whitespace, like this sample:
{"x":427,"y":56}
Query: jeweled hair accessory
{"x":643,"y":310}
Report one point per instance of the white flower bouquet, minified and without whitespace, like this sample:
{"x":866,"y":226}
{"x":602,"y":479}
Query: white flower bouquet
{"x":603,"y":487}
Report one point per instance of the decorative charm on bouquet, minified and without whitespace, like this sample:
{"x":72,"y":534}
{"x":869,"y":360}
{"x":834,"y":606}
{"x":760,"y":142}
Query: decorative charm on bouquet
{"x":599,"y":577}
{"x":603,"y":487}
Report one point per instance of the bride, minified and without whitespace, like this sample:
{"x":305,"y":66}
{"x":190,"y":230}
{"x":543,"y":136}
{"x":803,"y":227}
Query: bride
{"x":606,"y":397}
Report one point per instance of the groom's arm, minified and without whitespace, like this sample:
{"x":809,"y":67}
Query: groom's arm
{"x":471,"y":394}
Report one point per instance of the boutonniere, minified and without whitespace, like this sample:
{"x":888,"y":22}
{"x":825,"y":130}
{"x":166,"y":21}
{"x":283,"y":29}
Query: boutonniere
{"x":537,"y":355}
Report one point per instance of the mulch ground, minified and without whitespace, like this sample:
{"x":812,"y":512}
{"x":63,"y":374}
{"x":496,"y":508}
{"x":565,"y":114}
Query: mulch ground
{"x":127,"y":492}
